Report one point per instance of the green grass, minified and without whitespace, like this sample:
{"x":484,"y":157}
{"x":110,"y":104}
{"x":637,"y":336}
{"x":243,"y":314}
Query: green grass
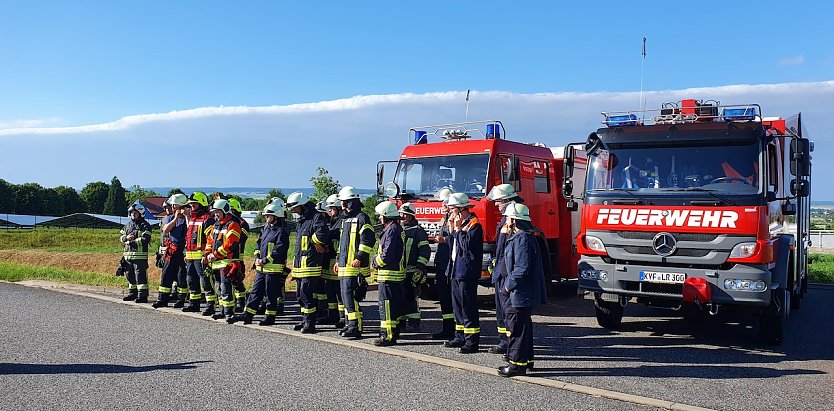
{"x":82,"y":240}
{"x":20,"y":272}
{"x":821,"y":268}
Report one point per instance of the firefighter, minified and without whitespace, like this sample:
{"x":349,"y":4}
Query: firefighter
{"x":310,"y":241}
{"x":223,"y":253}
{"x":441,"y":265}
{"x":356,"y":243}
{"x":464,"y":272}
{"x":417,"y":254}
{"x":136,"y":237}
{"x":163,"y":236}
{"x":173,"y":269}
{"x":200,"y":223}
{"x":502,"y":195}
{"x":334,"y":310}
{"x":270,"y":263}
{"x":240,"y":288}
{"x":523,"y":288}
{"x":390,"y":265}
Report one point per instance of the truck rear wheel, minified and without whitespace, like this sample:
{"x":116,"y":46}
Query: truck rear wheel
{"x":609,"y":313}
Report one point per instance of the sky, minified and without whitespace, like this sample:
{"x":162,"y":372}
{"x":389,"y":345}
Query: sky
{"x":89,"y":90}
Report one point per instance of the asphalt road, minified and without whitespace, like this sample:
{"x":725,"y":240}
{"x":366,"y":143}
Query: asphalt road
{"x":62,"y":351}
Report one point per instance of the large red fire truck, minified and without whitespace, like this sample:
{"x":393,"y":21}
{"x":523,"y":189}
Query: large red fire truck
{"x":471,"y":158}
{"x":693,"y":207}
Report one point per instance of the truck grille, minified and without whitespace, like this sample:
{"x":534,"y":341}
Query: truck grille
{"x":675,"y":290}
{"x":681,"y":252}
{"x":649,"y":235}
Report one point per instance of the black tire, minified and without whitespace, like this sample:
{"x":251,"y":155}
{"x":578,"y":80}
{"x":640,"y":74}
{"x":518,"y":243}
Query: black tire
{"x":609,"y":313}
{"x":772,"y":322}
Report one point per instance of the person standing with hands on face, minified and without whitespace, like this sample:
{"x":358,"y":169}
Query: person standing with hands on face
{"x":464,"y":273}
{"x":136,"y":237}
{"x":173,"y":267}
{"x":443,"y":240}
{"x":524,"y":288}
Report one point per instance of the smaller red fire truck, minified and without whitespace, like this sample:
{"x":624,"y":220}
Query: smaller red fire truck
{"x":471,"y":158}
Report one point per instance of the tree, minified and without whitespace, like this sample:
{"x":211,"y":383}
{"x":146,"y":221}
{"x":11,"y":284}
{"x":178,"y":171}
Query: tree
{"x":324,"y":185}
{"x":7,"y":197}
{"x":175,"y":191}
{"x":138,"y":193}
{"x":29,"y":198}
{"x":116,"y":203}
{"x":94,"y":195}
{"x":368,"y":206}
{"x":71,"y":200}
{"x":52,"y":204}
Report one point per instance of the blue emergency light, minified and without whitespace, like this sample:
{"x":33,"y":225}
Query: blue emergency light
{"x":621,"y":120}
{"x":739,"y":114}
{"x":493,"y":130}
{"x":420,"y":137}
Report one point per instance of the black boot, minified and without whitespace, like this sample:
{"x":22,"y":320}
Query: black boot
{"x":246,"y":317}
{"x":298,"y":326}
{"x":280,"y":309}
{"x":131,"y":295}
{"x":142,"y":298}
{"x":309,"y":328}
{"x":209,"y":310}
{"x":511,"y":370}
{"x":268,"y":320}
{"x":351,"y":332}
{"x":193,"y":306}
{"x":161,"y":301}
{"x":261,"y":308}
{"x":181,"y":301}
{"x":447,"y":333}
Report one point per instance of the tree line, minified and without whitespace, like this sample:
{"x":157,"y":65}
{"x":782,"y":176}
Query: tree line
{"x":113,"y":199}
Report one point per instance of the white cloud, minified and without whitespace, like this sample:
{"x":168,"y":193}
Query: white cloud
{"x":792,"y":61}
{"x":281,"y":146}
{"x":25,"y":124}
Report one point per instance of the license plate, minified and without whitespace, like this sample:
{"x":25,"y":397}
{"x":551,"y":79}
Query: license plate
{"x":666,"y":278}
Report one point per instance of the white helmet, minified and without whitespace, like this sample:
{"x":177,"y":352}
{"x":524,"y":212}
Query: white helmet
{"x":277,"y":209}
{"x":221,"y":205}
{"x":178,"y":199}
{"x":274,"y":200}
{"x":443,"y":194}
{"x":408,"y":208}
{"x":347,"y":193}
{"x":136,"y":207}
{"x":333,"y":201}
{"x":459,"y":200}
{"x":296,"y":199}
{"x":387,"y":209}
{"x":501,"y":192}
{"x":517,"y":211}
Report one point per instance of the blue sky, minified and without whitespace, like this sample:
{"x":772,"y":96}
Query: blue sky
{"x":87,"y":63}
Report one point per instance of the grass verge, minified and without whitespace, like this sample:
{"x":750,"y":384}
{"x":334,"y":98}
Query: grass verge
{"x":11,"y":271}
{"x":821,"y":268}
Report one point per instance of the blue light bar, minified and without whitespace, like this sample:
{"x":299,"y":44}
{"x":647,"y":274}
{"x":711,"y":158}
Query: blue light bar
{"x":420,"y":137}
{"x":739,"y":114}
{"x":493,"y":130}
{"x":621,"y":120}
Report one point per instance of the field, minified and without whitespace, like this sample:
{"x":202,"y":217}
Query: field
{"x":90,"y":257}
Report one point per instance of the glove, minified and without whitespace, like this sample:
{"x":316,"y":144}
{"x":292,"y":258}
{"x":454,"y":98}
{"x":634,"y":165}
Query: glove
{"x":159,"y":263}
{"x":362,"y":289}
{"x":418,"y":278}
{"x":491,"y":266}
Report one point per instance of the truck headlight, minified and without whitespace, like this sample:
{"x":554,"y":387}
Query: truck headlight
{"x":591,"y":274}
{"x":743,"y":250}
{"x":594,"y":243}
{"x":745,"y":285}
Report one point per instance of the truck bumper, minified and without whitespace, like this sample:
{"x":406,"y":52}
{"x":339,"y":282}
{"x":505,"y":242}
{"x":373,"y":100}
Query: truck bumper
{"x":624,"y":280}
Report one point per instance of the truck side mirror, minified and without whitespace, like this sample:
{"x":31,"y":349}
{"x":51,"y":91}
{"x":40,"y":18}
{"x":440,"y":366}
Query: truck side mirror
{"x":800,"y":188}
{"x":801,"y":157}
{"x":380,"y":170}
{"x":567,"y":188}
{"x":788,"y":208}
{"x":567,"y":165}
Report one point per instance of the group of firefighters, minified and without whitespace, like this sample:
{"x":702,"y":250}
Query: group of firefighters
{"x":202,"y":243}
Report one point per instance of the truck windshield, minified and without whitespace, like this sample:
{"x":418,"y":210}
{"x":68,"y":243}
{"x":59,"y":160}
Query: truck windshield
{"x":727,"y":169}
{"x":425,"y":176}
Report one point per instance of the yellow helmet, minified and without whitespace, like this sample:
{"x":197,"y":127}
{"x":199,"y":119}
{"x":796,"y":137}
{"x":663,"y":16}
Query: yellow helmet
{"x":199,"y":197}
{"x":235,"y":204}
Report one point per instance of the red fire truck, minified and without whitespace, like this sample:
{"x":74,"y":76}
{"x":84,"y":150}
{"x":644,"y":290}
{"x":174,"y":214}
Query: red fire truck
{"x":471,"y":158}
{"x":693,"y":207}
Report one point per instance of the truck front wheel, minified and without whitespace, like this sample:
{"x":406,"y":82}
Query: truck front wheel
{"x":609,"y":313}
{"x":772,"y":321}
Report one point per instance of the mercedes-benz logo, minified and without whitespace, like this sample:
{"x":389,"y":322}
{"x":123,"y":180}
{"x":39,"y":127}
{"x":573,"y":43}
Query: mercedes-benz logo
{"x":664,"y":244}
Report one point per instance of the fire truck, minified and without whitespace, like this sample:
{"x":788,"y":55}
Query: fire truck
{"x":472,"y":157}
{"x":695,"y":207}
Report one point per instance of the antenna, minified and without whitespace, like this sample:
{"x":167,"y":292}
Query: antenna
{"x":467,"y":105}
{"x":642,"y":64}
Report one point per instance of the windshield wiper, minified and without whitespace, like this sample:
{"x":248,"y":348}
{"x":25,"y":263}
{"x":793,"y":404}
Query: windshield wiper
{"x":631,"y":191}
{"x":711,"y":192}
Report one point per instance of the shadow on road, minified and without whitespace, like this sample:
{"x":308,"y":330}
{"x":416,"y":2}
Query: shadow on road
{"x":14,"y":368}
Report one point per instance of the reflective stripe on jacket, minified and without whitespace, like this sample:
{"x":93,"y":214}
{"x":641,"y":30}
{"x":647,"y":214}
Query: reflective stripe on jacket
{"x":136,"y":249}
{"x":390,"y":257}
{"x":310,"y":229}
{"x":356,"y":243}
{"x":224,"y":242}
{"x":272,"y":247}
{"x":200,"y":225}
{"x":417,"y":250}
